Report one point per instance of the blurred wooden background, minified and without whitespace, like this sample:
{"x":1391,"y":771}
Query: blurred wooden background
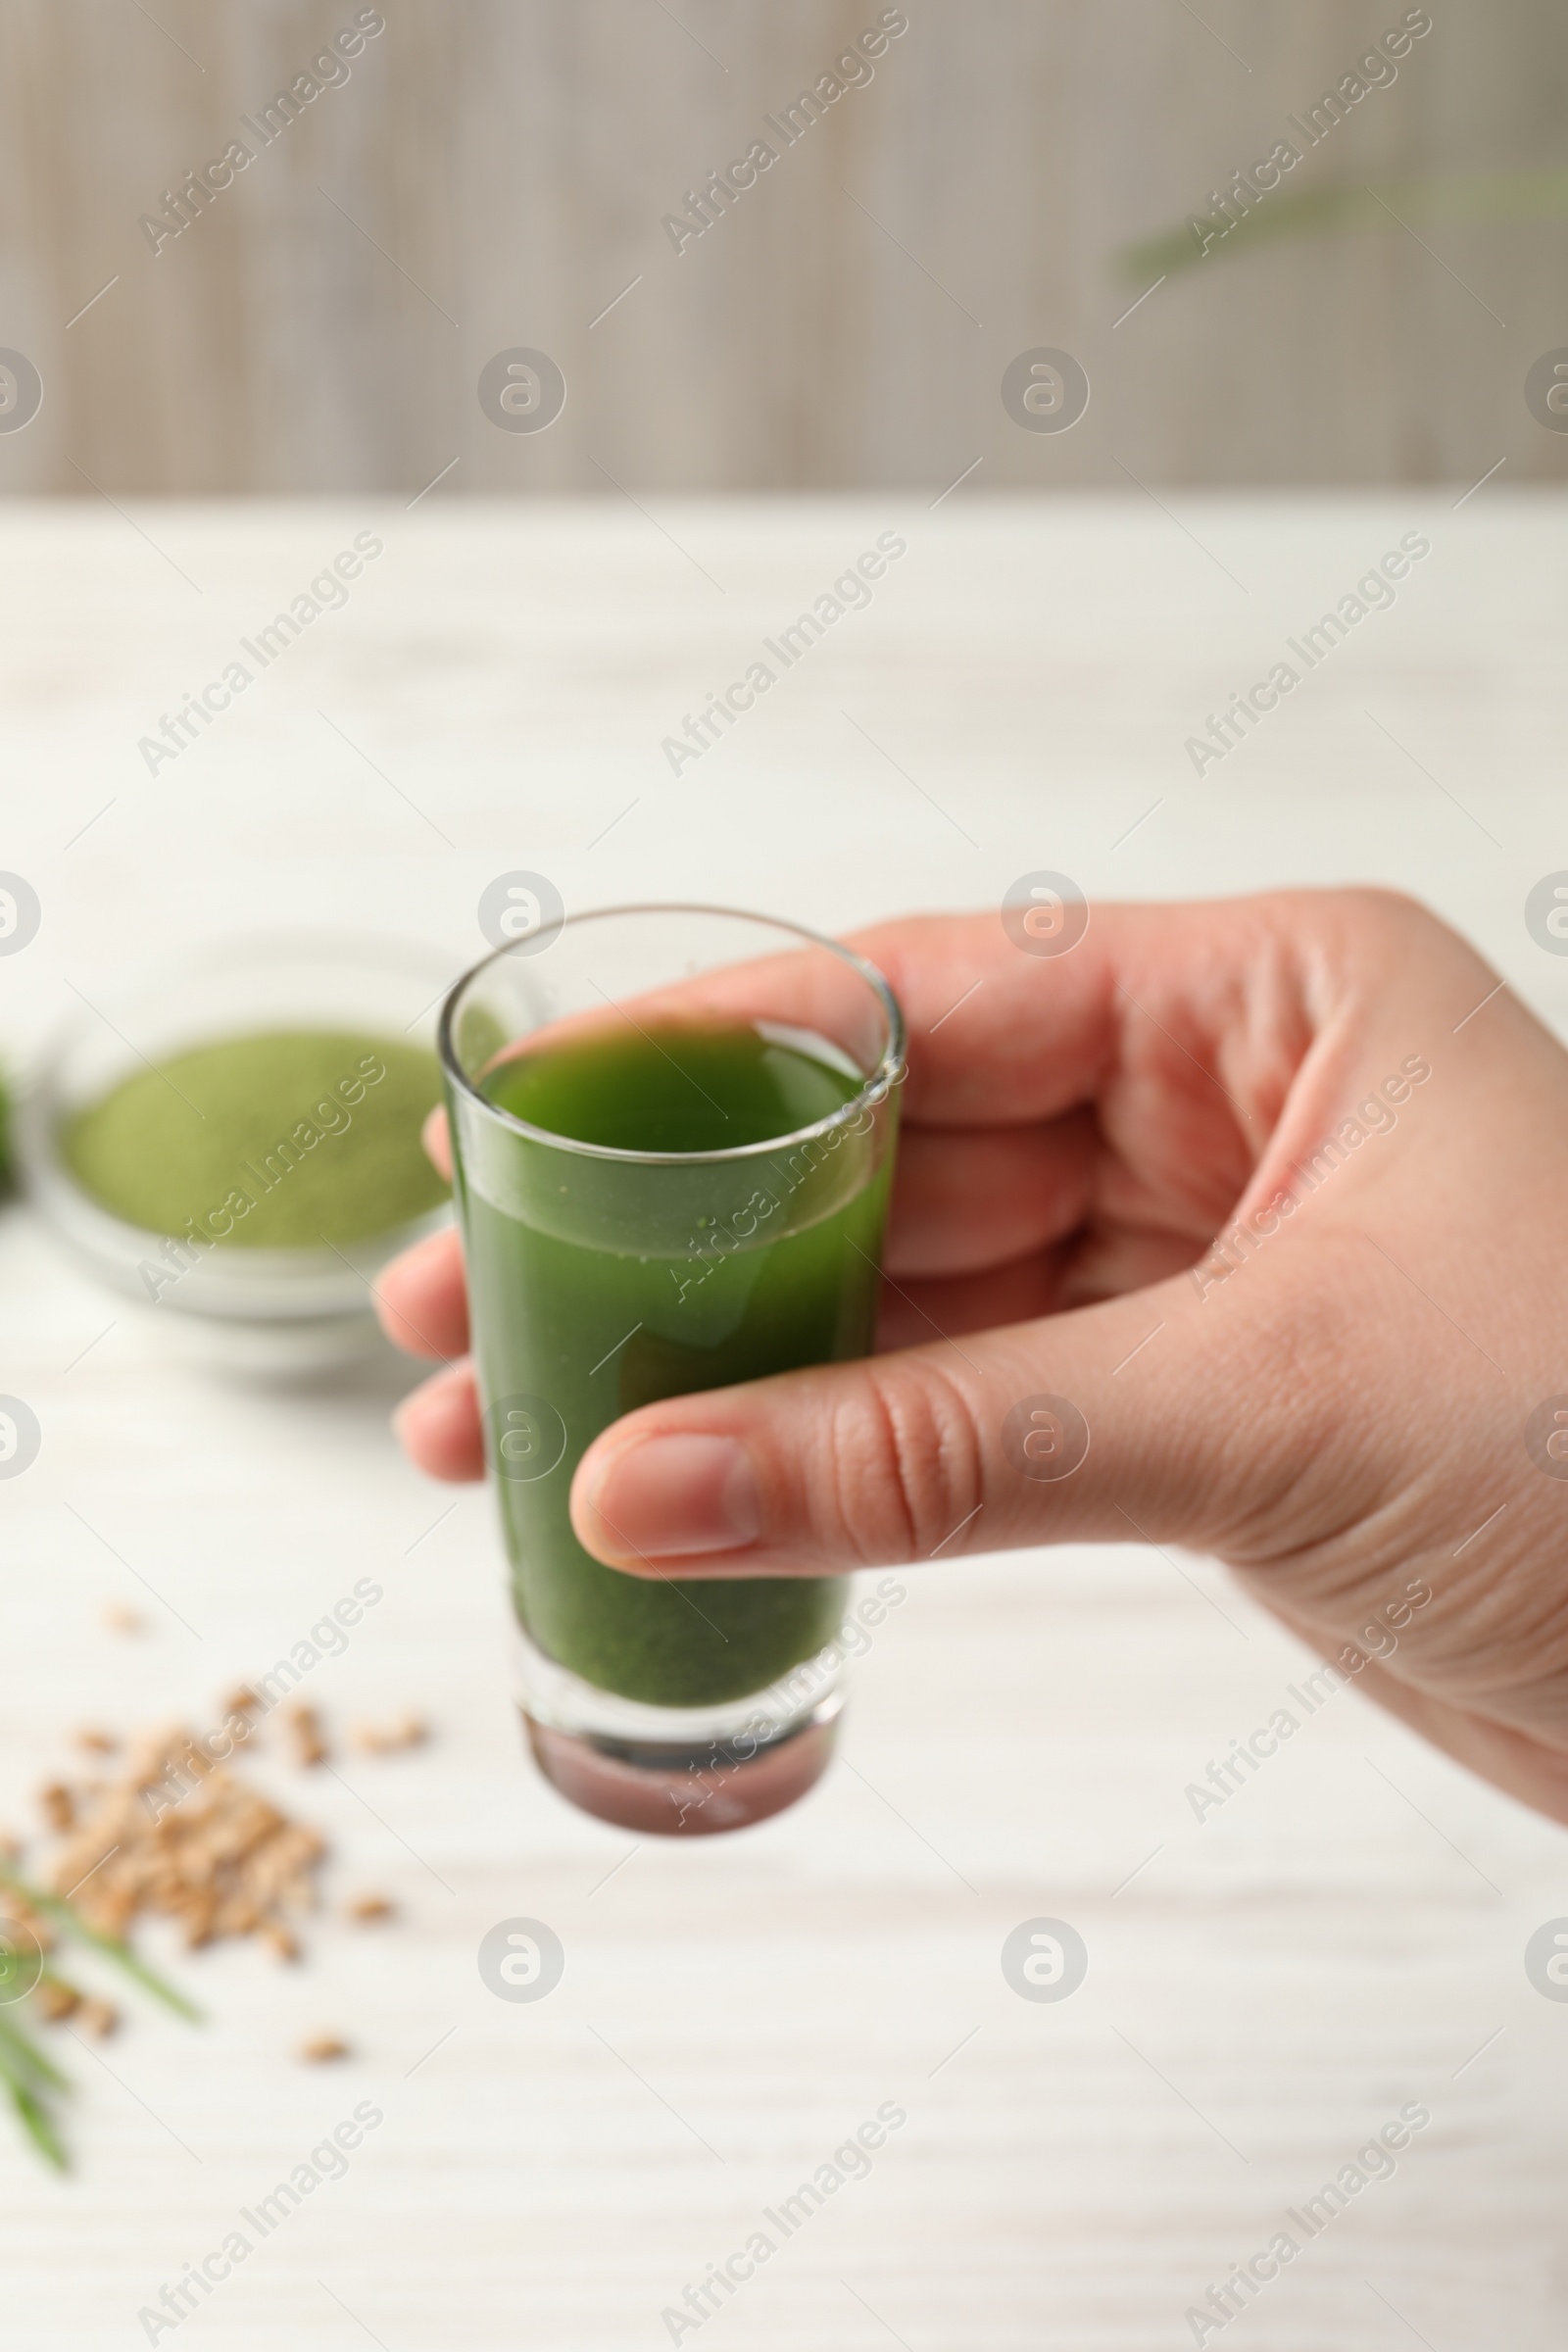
{"x":493,"y":173}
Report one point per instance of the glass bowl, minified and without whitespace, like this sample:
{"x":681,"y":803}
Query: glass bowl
{"x":257,"y":1310}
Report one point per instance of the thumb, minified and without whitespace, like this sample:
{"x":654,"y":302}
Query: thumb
{"x":1137,"y":1418}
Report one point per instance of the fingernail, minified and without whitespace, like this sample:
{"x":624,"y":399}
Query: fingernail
{"x":668,"y":1496}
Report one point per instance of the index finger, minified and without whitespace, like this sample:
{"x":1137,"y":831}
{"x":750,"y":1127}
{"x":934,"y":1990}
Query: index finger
{"x":1217,"y":1001}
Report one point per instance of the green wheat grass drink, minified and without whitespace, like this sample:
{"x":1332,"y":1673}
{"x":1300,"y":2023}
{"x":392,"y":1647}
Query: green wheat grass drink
{"x":673,"y":1133}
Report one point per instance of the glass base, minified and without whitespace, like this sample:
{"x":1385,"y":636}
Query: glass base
{"x":681,"y":1772}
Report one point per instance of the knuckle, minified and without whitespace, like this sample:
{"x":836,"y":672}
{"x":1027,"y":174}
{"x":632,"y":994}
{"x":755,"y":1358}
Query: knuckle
{"x":1401,"y":924}
{"x":1390,"y":905}
{"x":905,"y":1460}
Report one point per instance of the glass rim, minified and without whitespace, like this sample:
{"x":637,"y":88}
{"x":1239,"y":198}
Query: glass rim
{"x":872,"y":1091}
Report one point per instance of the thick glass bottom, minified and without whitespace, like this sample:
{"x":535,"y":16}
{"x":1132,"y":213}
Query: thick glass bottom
{"x":680,"y":1772}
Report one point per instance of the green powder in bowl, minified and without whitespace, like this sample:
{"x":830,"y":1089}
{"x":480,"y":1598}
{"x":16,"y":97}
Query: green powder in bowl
{"x":285,"y":1138}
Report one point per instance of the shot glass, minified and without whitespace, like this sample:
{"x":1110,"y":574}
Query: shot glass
{"x":673,"y":1133}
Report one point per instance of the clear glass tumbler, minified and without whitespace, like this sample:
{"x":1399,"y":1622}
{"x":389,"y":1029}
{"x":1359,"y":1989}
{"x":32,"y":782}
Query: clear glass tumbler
{"x":673,"y":1133}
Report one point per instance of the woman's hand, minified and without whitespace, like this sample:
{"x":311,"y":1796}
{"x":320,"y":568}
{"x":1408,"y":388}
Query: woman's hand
{"x":1348,"y":1394}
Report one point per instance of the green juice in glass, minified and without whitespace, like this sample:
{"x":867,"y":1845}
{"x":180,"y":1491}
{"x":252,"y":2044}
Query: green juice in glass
{"x":576,"y":1325}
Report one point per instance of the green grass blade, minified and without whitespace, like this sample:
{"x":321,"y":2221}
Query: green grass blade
{"x":1355,"y":209}
{"x":21,"y":2061}
{"x":56,"y":1907}
{"x":37,"y":2123}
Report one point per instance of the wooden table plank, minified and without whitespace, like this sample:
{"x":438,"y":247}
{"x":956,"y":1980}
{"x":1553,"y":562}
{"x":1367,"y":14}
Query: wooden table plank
{"x":1266,"y":1987}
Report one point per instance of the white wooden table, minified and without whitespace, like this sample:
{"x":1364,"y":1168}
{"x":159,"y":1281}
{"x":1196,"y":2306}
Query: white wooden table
{"x":1266,"y":1988}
